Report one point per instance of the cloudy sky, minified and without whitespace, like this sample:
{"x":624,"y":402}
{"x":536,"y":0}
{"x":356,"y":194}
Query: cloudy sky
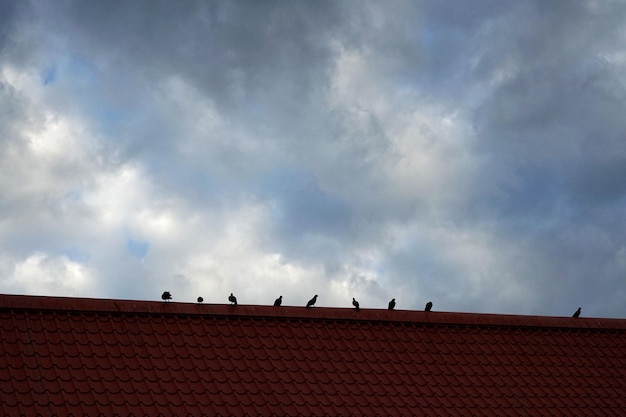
{"x":468,"y":153}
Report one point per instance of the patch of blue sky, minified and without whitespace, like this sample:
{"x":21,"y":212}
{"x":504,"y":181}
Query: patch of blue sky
{"x":78,"y":71}
{"x":49,"y":75}
{"x":108,"y":118}
{"x":73,"y":195}
{"x":137,"y":248}
{"x":427,"y":36}
{"x":75,"y":254}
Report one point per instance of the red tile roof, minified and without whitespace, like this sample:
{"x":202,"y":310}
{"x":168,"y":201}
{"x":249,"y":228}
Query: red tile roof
{"x":87,"y":357}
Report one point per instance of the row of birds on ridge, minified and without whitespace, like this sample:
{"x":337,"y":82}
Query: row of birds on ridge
{"x":167,"y":296}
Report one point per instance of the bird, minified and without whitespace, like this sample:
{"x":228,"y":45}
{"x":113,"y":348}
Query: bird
{"x":166,"y":296}
{"x":429,"y":306}
{"x":355,"y":303}
{"x":278,"y":301}
{"x":577,"y":313}
{"x":392,"y":304}
{"x":232,"y":299}
{"x":200,"y":300}
{"x":312,"y":301}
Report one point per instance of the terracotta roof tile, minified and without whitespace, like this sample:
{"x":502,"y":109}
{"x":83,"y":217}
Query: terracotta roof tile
{"x":86,"y":357}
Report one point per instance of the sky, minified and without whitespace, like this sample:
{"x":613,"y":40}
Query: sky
{"x":468,"y":153}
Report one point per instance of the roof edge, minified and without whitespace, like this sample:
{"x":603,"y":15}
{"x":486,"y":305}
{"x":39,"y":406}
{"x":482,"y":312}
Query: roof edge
{"x":115,"y":306}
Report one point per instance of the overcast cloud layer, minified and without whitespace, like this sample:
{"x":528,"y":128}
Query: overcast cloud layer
{"x":468,"y":153}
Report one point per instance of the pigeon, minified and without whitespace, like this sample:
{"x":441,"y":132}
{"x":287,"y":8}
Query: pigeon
{"x":392,"y":304}
{"x":232,"y":299}
{"x":278,"y":301}
{"x":429,"y":306}
{"x":312,"y":301}
{"x":200,"y":300}
{"x":166,"y":296}
{"x":355,"y":303}
{"x":577,"y":313}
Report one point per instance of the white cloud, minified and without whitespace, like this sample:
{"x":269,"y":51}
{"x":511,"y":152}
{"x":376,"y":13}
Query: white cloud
{"x":45,"y":274}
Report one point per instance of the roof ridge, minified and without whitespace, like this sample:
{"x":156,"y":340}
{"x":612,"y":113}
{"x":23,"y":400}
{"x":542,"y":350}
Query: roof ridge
{"x":117,"y":306}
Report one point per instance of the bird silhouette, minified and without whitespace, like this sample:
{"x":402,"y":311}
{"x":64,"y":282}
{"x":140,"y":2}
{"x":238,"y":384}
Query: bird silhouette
{"x":392,"y":304}
{"x":232,"y":299}
{"x":429,"y":306}
{"x":312,"y":301}
{"x":278,"y":301}
{"x":200,"y":300}
{"x":577,"y":313}
{"x":166,"y":296}
{"x":355,"y":303}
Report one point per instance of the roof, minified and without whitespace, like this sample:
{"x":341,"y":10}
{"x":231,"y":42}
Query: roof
{"x":96,"y":357}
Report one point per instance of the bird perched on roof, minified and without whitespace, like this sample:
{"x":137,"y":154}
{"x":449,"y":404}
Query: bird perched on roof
{"x":429,"y":306}
{"x":355,"y":303}
{"x":312,"y":301}
{"x":232,"y":299}
{"x":577,"y":313}
{"x":278,"y":301}
{"x":200,"y":300}
{"x":392,"y":304}
{"x":166,"y":296}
